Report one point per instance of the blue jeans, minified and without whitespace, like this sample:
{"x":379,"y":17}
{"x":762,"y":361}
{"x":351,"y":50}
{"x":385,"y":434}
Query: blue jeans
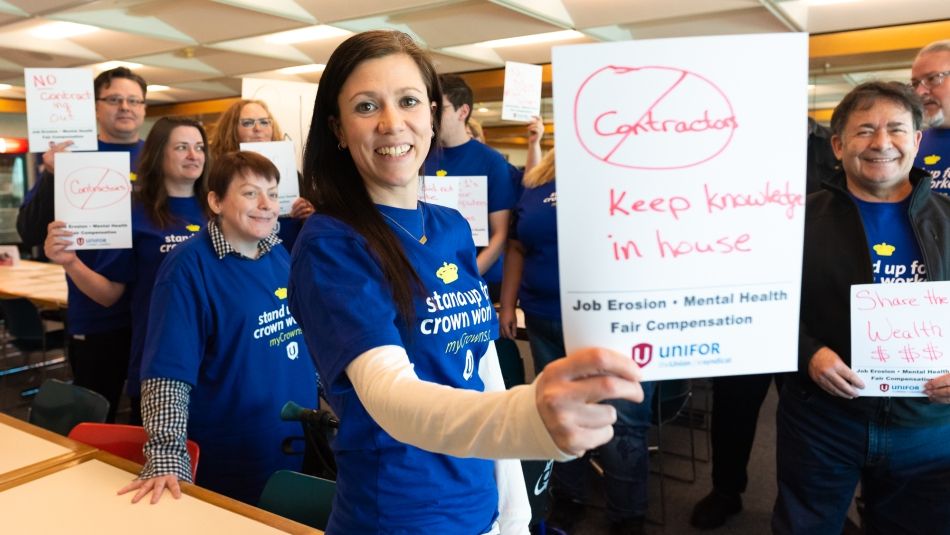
{"x":625,"y":458}
{"x":823,"y":453}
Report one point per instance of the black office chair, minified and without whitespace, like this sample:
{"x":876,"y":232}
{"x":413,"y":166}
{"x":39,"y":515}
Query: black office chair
{"x":27,"y":345}
{"x":300,"y":497}
{"x":59,"y":406}
{"x":26,"y":326}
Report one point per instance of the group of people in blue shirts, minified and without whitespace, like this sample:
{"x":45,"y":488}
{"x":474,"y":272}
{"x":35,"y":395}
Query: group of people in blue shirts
{"x":380,"y":299}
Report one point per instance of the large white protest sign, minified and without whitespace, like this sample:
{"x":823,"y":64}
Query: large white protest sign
{"x":281,"y":154}
{"x":467,"y":194}
{"x":900,"y":336}
{"x":92,"y":195}
{"x":522,"y":97}
{"x":681,"y":189}
{"x":291,"y":104}
{"x":60,"y":106}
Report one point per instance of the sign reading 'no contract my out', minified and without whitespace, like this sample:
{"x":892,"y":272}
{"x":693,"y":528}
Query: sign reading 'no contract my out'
{"x":681,"y":190}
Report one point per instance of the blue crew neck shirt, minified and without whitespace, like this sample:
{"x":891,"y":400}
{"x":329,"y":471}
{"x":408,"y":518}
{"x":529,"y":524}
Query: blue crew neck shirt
{"x":339,"y":294}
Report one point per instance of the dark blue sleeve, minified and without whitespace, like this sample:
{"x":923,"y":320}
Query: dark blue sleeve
{"x":117,"y":265}
{"x":177,"y":324}
{"x":501,"y":190}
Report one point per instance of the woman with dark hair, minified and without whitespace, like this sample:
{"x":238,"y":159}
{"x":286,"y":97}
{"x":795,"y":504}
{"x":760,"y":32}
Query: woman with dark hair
{"x":248,"y":121}
{"x":223,"y":354}
{"x":387,"y":291}
{"x":167,"y":209}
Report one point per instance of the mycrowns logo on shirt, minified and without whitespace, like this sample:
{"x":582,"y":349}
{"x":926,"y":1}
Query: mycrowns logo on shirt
{"x":884,"y":249}
{"x":448,"y":273}
{"x":441,"y":172}
{"x":281,"y":293}
{"x":931,"y":159}
{"x":193,"y":228}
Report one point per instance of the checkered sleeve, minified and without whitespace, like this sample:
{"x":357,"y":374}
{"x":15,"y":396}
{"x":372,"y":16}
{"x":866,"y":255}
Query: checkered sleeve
{"x":165,"y":416}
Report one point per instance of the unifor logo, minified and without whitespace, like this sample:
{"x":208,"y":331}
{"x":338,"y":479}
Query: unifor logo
{"x":293,"y":351}
{"x":885,"y":387}
{"x":642,"y":354}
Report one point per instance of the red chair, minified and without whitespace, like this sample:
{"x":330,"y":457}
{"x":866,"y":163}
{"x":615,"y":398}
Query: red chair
{"x":126,"y":441}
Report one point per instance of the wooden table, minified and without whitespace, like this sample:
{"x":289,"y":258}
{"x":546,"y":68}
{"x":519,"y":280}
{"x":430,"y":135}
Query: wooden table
{"x":26,"y":449}
{"x":42,"y":283}
{"x":74,"y":491}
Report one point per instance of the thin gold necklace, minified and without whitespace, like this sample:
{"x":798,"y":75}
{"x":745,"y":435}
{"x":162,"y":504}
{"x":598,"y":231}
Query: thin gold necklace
{"x":423,"y":239}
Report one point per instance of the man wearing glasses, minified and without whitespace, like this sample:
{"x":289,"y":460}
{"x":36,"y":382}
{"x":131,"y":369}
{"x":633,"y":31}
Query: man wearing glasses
{"x":100,"y":337}
{"x":929,"y":78}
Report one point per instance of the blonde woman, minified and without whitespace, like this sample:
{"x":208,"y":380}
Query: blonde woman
{"x":251,"y":121}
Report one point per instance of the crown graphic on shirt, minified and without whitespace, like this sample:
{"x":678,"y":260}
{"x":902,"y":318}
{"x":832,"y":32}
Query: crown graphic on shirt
{"x":441,"y":172}
{"x":281,"y":293}
{"x":884,"y":249}
{"x":448,"y":273}
{"x":193,"y":228}
{"x":931,"y":159}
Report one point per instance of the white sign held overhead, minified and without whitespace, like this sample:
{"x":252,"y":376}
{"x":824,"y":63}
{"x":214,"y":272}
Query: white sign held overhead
{"x":291,"y":104}
{"x":681,"y":192}
{"x":522,"y":97}
{"x":467,"y":194}
{"x":900,"y":336}
{"x":92,"y":194}
{"x":60,"y":106}
{"x":281,"y":154}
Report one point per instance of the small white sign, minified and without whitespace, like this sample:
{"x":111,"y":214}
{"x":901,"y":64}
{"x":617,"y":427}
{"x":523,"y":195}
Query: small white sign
{"x":291,"y":104}
{"x":60,"y":106}
{"x":522,"y":97}
{"x":441,"y":190}
{"x":92,"y":195}
{"x":900,"y":336}
{"x":467,"y":194}
{"x":281,"y":153}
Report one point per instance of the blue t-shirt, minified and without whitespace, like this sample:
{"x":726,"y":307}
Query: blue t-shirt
{"x":150,"y":244}
{"x":934,"y":157}
{"x":474,"y":158}
{"x":223,"y":327}
{"x":339,"y":294}
{"x":895,"y":254}
{"x":85,"y":316}
{"x":535,"y":226}
{"x":287,"y":230}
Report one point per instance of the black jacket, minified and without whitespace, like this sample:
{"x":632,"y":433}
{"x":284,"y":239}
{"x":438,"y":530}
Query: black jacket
{"x":835,"y":257}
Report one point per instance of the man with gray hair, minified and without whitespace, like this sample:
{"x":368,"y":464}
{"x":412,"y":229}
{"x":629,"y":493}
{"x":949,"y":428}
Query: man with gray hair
{"x":829,"y":436}
{"x":929,"y":79}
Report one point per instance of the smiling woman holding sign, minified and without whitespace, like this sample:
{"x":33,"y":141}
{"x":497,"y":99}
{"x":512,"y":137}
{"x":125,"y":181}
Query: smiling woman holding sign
{"x":167,"y":210}
{"x":399,"y":323}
